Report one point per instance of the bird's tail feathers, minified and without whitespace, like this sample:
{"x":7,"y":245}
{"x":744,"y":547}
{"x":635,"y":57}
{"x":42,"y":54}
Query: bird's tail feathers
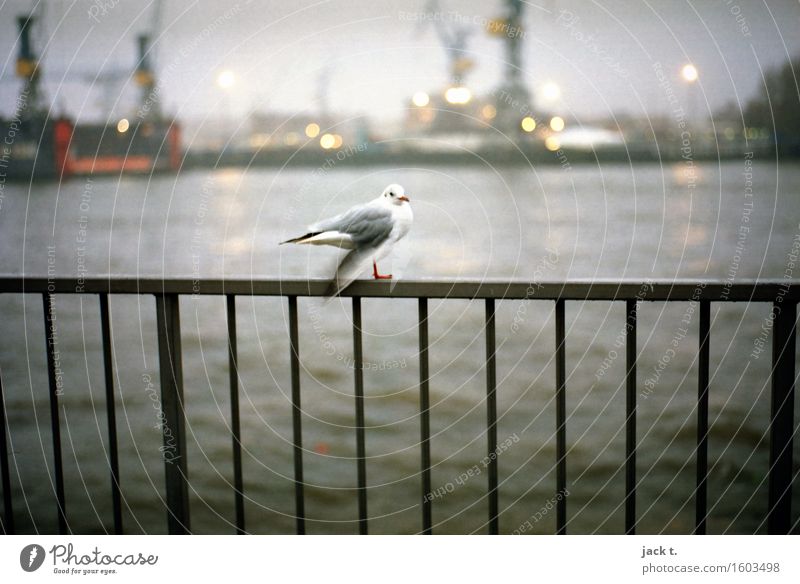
{"x":302,"y":238}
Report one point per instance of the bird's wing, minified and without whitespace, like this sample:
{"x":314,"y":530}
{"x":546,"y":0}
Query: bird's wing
{"x":367,"y":225}
{"x":351,"y":266}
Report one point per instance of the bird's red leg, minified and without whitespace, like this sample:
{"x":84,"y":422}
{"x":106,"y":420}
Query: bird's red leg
{"x":378,"y":276}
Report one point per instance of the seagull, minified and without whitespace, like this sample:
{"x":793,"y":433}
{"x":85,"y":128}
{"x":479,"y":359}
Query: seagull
{"x":369,"y":231}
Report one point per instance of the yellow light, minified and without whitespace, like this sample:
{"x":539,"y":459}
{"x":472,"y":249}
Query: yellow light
{"x":458,"y":95}
{"x":421,"y":99}
{"x":499,"y":27}
{"x":291,"y":139}
{"x":123,"y":125}
{"x":690,"y":73}
{"x":489,"y":112}
{"x":426,"y":115}
{"x":226,"y":79}
{"x":312,"y":130}
{"x":551,"y":91}
{"x":337,"y":141}
{"x":26,"y":67}
{"x":557,"y":124}
{"x":259,"y":140}
{"x":327,"y":141}
{"x":552,"y":143}
{"x":528,"y":124}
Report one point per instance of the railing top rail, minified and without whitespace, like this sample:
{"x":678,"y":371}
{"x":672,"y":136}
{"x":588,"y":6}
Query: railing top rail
{"x":678,"y":290}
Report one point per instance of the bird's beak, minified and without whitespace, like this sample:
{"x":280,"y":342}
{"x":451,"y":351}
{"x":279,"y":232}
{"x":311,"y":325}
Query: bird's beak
{"x":403,"y":198}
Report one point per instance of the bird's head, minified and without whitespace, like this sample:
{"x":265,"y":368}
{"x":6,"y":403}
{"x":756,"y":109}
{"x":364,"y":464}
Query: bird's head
{"x":395,"y":194}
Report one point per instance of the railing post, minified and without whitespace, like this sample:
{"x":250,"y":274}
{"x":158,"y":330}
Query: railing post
{"x":297,"y":418}
{"x":8,"y":511}
{"x":491,"y":416}
{"x":781,"y":428}
{"x":701,"y":492}
{"x":630,"y":417}
{"x":361,"y":452}
{"x":54,"y":373}
{"x":424,"y":413}
{"x":174,"y":449}
{"x":233,"y":372}
{"x":113,"y":456}
{"x":561,"y":421}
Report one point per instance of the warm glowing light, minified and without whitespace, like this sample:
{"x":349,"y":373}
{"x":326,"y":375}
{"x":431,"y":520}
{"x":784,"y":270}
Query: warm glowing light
{"x":551,"y":91}
{"x":291,"y":139}
{"x":421,"y":99}
{"x":689,"y":73}
{"x":426,"y":115}
{"x":488,"y":112}
{"x":337,"y":141}
{"x":312,"y":130}
{"x":327,"y":141}
{"x":226,"y":79}
{"x":528,"y":124}
{"x":552,"y":143}
{"x":458,"y":95}
{"x":557,"y":124}
{"x":259,"y":140}
{"x":123,"y":125}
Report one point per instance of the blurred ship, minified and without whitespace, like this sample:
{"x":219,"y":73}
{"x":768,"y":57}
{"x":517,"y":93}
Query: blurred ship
{"x":32,"y":142}
{"x":39,"y":145}
{"x":506,"y":124}
{"x":445,"y":124}
{"x":147,"y":142}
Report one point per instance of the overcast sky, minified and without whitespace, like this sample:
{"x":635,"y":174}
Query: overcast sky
{"x":378,"y":53}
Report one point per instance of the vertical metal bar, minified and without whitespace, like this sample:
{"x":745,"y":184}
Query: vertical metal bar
{"x":630,"y":419}
{"x":491,"y":416}
{"x":113,"y":455}
{"x":561,"y":421}
{"x":361,"y":455}
{"x":297,"y":428}
{"x":54,"y":374}
{"x":8,"y":510}
{"x":701,"y":491}
{"x":174,"y":449}
{"x":779,"y":520}
{"x":424,"y":413}
{"x":233,"y":370}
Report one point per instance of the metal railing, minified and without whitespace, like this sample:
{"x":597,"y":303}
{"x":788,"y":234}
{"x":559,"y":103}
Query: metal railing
{"x":783,"y":295}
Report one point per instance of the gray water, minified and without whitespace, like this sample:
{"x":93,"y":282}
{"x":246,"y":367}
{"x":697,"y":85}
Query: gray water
{"x":528,"y":224}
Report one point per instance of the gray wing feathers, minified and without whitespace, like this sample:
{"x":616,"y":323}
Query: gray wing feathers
{"x":367,"y":225}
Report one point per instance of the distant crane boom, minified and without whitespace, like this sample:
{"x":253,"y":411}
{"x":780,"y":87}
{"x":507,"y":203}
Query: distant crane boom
{"x":454,"y":40}
{"x":146,"y":65}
